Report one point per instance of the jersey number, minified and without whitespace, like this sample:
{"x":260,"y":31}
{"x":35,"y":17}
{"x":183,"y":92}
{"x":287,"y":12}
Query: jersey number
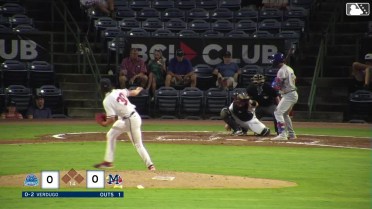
{"x":122,"y":99}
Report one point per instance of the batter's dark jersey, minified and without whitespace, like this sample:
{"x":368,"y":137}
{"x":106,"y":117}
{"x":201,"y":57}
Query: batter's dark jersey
{"x":264,"y":98}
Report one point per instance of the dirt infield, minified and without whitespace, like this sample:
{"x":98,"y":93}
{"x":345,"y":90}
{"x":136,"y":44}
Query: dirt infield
{"x":196,"y":180}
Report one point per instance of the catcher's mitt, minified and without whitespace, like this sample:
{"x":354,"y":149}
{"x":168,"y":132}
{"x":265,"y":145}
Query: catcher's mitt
{"x":100,"y":117}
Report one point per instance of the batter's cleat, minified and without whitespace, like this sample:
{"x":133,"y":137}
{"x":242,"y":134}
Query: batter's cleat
{"x":151,"y":168}
{"x":104,"y":164}
{"x":279,"y":138}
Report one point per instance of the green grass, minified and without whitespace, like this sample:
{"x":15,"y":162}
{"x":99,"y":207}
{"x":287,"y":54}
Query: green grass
{"x":327,"y":178}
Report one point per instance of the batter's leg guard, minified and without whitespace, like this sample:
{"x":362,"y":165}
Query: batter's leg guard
{"x":281,"y":127}
{"x":229,"y":120}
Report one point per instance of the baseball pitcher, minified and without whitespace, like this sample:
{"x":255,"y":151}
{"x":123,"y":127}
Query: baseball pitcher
{"x":116,"y":103}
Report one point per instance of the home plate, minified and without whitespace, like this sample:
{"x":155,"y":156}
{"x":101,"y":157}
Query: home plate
{"x":164,"y":178}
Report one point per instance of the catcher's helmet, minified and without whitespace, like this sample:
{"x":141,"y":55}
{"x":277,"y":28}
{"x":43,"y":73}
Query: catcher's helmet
{"x":242,"y":96}
{"x":258,"y":79}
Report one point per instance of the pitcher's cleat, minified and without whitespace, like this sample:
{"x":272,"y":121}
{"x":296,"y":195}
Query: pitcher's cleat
{"x":104,"y":164}
{"x":151,"y":168}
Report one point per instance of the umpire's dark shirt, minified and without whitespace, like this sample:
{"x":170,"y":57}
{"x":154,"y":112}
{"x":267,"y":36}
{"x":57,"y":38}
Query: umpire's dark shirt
{"x":266,"y":97}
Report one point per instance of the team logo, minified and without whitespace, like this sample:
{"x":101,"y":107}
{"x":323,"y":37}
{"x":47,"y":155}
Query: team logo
{"x":115,"y":180}
{"x":31,"y":180}
{"x":357,"y":9}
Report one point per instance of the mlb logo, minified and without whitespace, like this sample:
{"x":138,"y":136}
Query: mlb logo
{"x":357,"y":9}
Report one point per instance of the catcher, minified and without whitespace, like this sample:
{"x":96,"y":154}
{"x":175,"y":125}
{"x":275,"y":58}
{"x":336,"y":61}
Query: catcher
{"x":116,"y":103}
{"x":240,"y":116}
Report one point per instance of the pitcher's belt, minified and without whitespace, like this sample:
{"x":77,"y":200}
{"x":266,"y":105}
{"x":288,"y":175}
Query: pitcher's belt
{"x":130,"y":115}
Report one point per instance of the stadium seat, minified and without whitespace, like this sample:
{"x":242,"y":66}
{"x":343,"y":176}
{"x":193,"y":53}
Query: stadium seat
{"x":184,"y":4}
{"x":197,"y":13}
{"x":248,"y":26}
{"x":138,"y":32}
{"x":108,"y":34}
{"x":14,"y":72}
{"x":142,"y":102}
{"x":152,"y":24}
{"x":271,"y":13}
{"x":167,"y":102}
{"x":302,"y":3}
{"x":206,"y":4}
{"x":175,"y":25}
{"x":212,"y":34}
{"x":102,"y":23}
{"x":191,"y":103}
{"x":271,"y":25}
{"x":21,"y":95}
{"x":222,"y":13}
{"x":248,"y":71}
{"x":293,"y":24}
{"x":230,"y":4}
{"x":204,"y":76}
{"x":291,"y":39}
{"x":187,"y":33}
{"x":162,"y":5}
{"x":121,"y":3}
{"x":20,"y":19}
{"x":215,"y":100}
{"x":127,"y":24}
{"x":297,"y":12}
{"x":24,"y":28}
{"x":223,"y":26}
{"x":360,"y":103}
{"x":147,"y":12}
{"x":5,"y":29}
{"x":161,"y":32}
{"x":246,"y":13}
{"x":125,"y":12}
{"x":199,"y":25}
{"x":2,"y":99}
{"x":53,"y":98}
{"x":139,"y":4}
{"x":262,"y":34}
{"x":41,"y":73}
{"x":170,"y":13}
{"x":9,"y":9}
{"x":237,"y":34}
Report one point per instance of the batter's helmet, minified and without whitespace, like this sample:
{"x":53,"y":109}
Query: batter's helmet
{"x":258,"y":79}
{"x":277,"y":58}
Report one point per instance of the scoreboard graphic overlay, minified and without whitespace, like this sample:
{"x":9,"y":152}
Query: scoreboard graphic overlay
{"x":52,"y":180}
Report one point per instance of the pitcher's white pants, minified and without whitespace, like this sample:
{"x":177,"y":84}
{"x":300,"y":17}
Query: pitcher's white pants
{"x":132,"y":126}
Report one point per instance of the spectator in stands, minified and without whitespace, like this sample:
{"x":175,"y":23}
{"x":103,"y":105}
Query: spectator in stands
{"x":106,"y":6}
{"x":227,"y":72}
{"x":363,"y":72}
{"x":133,"y":71}
{"x":157,"y":71}
{"x":180,"y":71}
{"x":280,"y":4}
{"x":38,"y":110}
{"x":11,"y":111}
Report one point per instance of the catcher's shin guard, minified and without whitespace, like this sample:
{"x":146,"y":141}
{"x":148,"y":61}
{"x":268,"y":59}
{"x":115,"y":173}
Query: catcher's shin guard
{"x":227,"y":117}
{"x":265,"y":132}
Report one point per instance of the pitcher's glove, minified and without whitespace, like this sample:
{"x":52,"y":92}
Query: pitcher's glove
{"x":100,"y":117}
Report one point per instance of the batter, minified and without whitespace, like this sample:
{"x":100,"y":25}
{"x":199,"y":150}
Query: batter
{"x":116,"y":103}
{"x":285,"y":83}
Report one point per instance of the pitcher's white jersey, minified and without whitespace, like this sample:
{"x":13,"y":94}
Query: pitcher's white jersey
{"x":288,"y":79}
{"x":117,"y":103}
